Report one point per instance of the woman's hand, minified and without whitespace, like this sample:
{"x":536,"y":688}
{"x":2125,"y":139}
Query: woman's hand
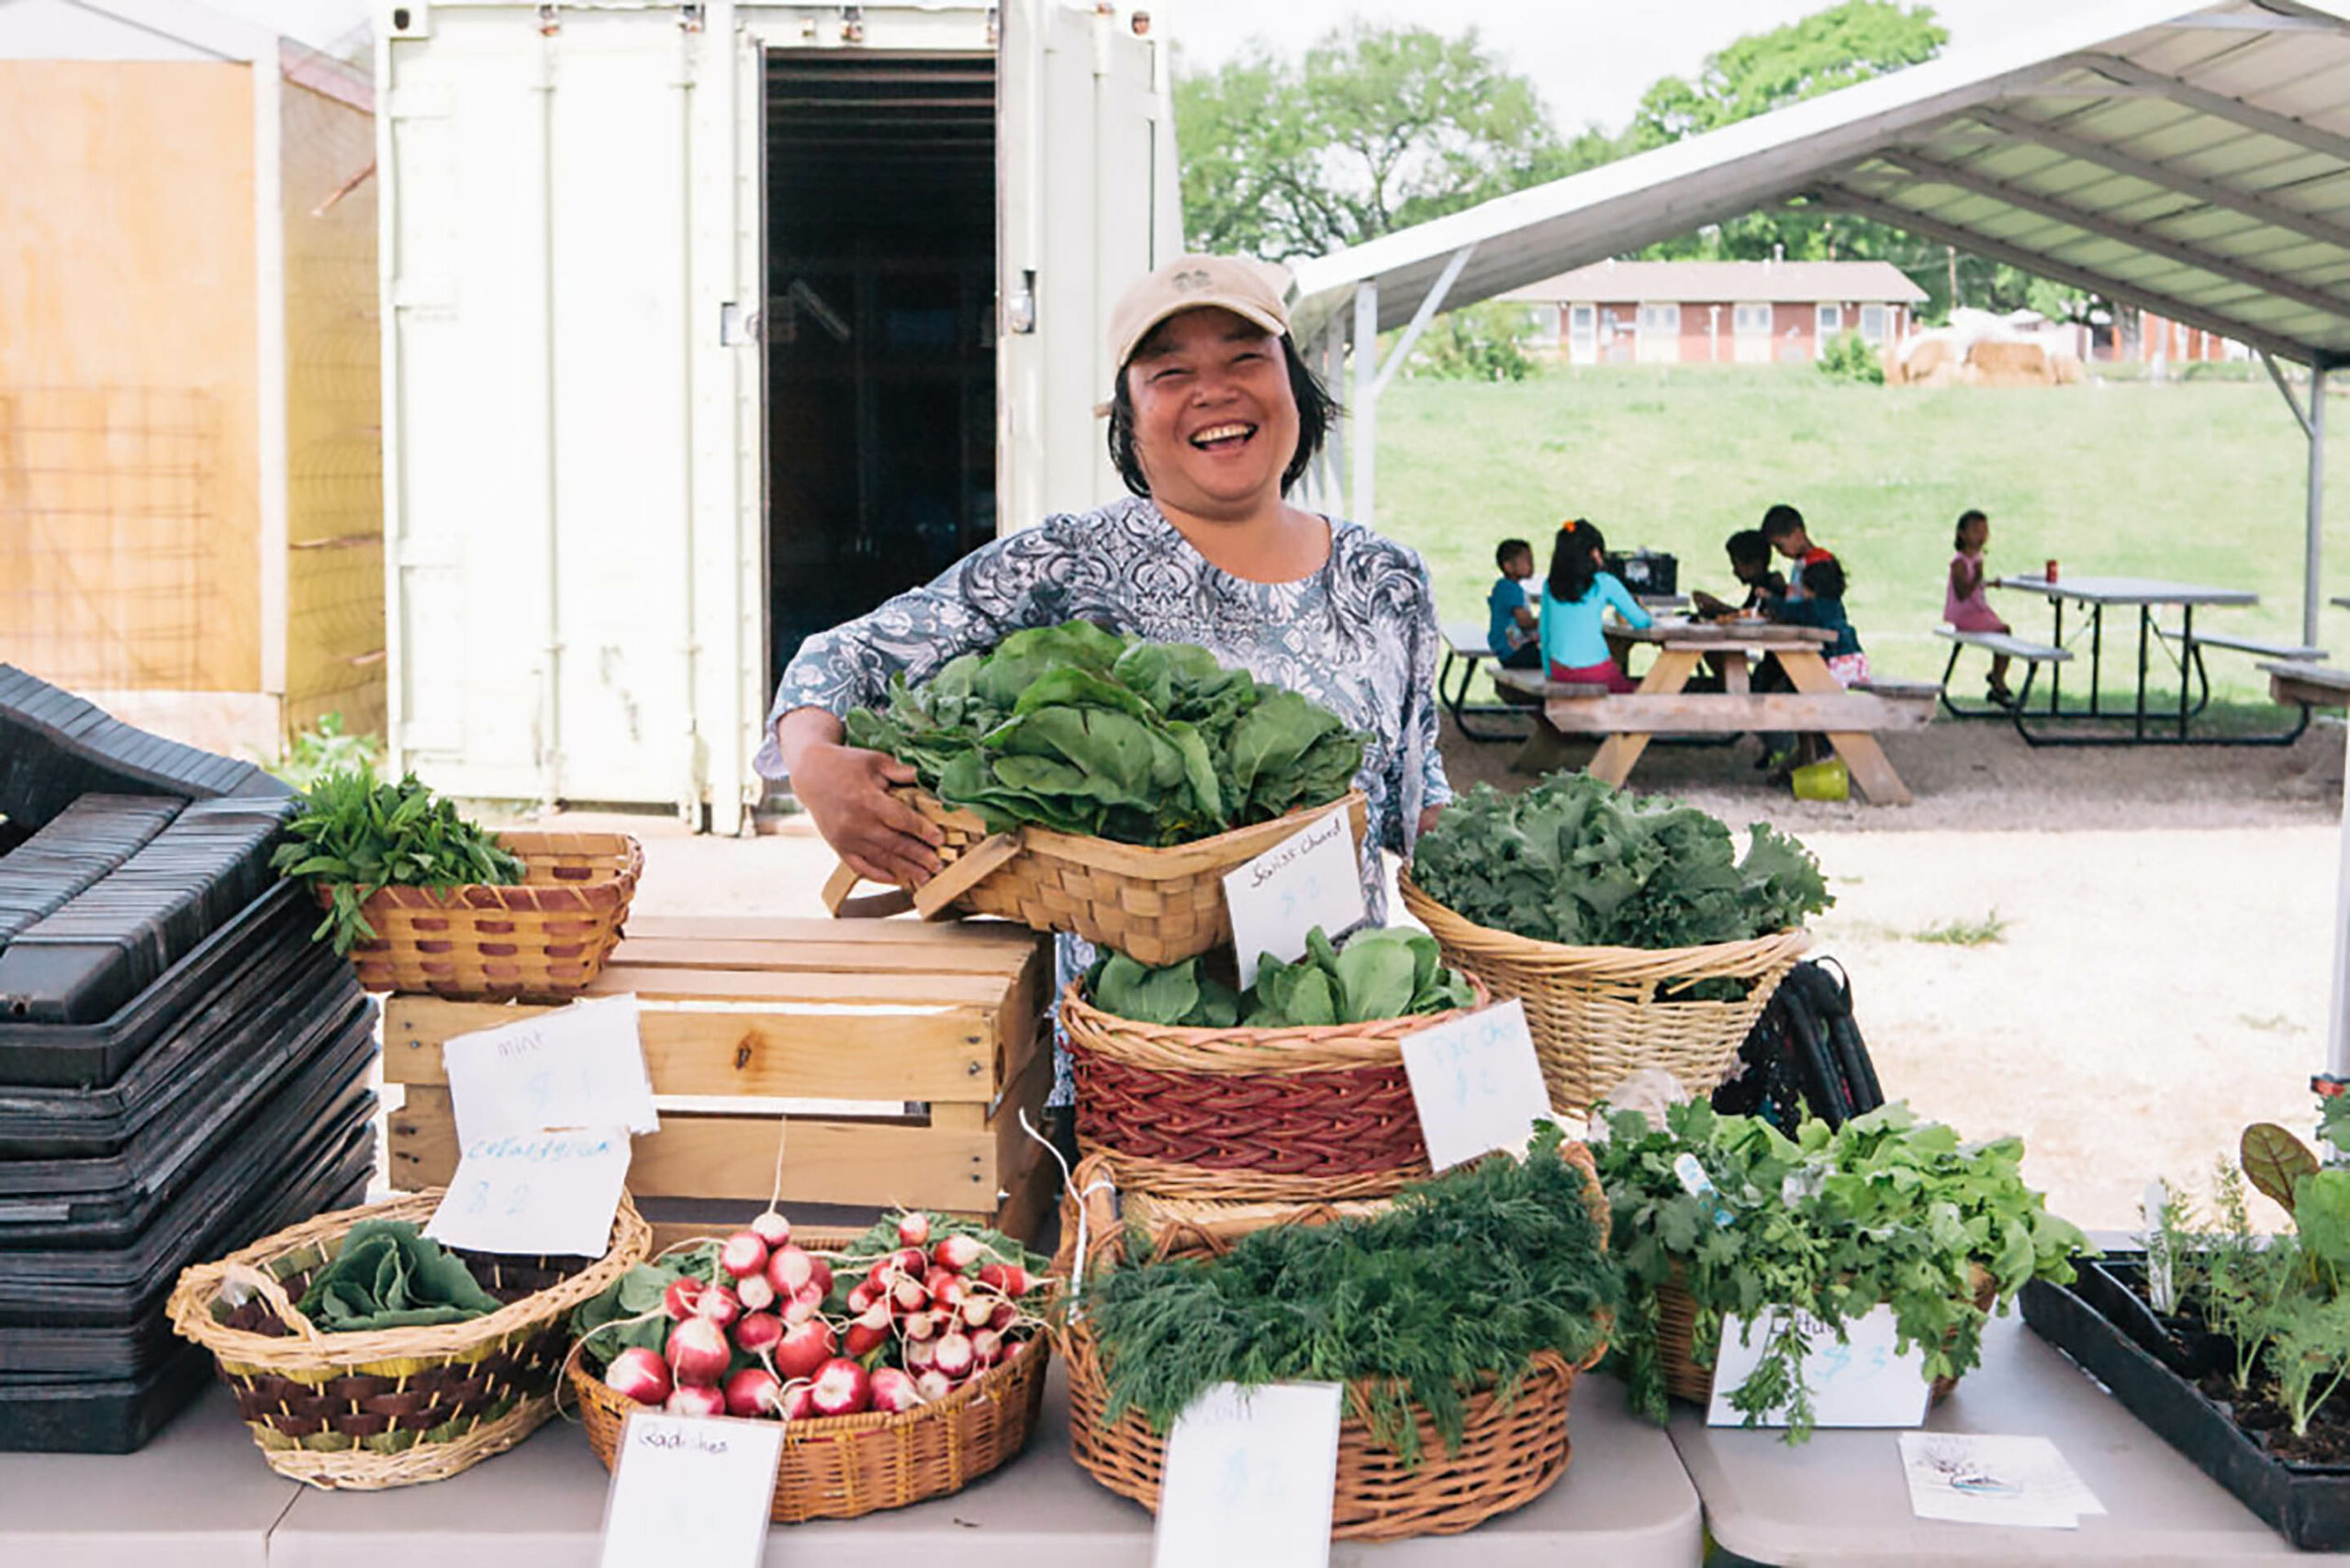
{"x":846,"y":793}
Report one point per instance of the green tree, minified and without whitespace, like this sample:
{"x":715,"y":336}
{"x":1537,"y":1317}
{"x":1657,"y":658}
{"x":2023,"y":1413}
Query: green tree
{"x":1378,"y":129}
{"x":1762,"y":71}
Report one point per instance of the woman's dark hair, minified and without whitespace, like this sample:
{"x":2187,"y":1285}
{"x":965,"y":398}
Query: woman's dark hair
{"x":1780,"y":522}
{"x":1958,"y":534}
{"x":1316,"y":412}
{"x":1509,"y":550}
{"x":1575,"y":557}
{"x":1747,"y":547}
{"x":1824,"y":580}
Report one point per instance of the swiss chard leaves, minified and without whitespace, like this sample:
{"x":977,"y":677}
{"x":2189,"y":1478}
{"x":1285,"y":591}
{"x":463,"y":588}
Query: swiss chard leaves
{"x":1390,"y":972}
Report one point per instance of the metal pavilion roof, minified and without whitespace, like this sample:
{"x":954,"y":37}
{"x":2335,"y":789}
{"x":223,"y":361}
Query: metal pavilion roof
{"x":2190,"y":159}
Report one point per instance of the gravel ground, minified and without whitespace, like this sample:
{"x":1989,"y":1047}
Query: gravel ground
{"x":2158,"y":977}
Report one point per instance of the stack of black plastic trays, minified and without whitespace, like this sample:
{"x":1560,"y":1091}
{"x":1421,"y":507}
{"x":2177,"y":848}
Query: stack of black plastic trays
{"x":182,"y":1068}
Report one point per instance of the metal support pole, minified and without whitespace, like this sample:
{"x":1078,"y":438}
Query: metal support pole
{"x":1334,"y":469}
{"x":2314,"y":528}
{"x":1365,"y":436}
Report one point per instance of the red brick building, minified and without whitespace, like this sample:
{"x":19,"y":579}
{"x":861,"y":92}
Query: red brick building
{"x":1714,"y":312}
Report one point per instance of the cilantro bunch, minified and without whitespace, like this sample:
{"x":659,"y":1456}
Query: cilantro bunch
{"x":1575,"y":861}
{"x":1886,"y":1210}
{"x":1082,"y":730}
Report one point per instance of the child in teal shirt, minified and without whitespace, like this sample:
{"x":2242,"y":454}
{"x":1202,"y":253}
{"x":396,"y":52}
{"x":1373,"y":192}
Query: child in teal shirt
{"x":1574,"y":601}
{"x":1510,"y":626}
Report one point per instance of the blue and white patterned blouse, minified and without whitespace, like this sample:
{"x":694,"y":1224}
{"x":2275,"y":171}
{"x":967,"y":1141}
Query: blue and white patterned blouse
{"x":1358,"y":636}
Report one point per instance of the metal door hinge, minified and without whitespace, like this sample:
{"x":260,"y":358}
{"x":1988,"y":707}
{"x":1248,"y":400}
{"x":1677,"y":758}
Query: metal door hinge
{"x":738,"y":328}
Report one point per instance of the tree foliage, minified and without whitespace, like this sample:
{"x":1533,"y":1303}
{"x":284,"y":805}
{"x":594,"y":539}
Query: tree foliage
{"x":1376,"y":129}
{"x":1762,"y":71}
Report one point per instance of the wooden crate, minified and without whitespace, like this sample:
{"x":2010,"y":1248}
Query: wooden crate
{"x":733,"y":1008}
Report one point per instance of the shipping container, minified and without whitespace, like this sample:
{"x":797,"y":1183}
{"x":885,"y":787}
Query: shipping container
{"x":191,"y":511}
{"x":707,"y":326}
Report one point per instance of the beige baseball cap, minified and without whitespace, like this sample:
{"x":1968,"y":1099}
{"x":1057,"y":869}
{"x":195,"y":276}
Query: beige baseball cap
{"x":1247,"y":288}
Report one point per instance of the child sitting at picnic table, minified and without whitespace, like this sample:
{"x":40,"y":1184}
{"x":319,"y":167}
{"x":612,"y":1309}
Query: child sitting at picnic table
{"x":1512,"y":629}
{"x":1822,"y":605}
{"x":1574,"y":601}
{"x":1750,"y":563}
{"x":1964,"y":605}
{"x":1783,"y":529}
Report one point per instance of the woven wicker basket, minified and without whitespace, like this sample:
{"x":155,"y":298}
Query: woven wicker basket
{"x":548,"y":936}
{"x":1261,"y":1116}
{"x":393,"y":1407}
{"x":845,"y":1466}
{"x":1510,"y":1453}
{"x":1676,"y":1317}
{"x":1156,"y":906}
{"x":1596,"y":1013}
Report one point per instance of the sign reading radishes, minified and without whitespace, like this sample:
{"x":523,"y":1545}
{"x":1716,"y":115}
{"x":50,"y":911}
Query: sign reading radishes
{"x":1312,"y":878}
{"x":689,"y":1479}
{"x":1258,"y":1465}
{"x":1476,"y":1084}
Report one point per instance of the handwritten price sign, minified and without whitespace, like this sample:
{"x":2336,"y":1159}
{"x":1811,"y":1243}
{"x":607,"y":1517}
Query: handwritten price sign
{"x":583,"y":1066}
{"x":1476,"y":1083}
{"x":1312,"y":878}
{"x":536,"y":1194}
{"x":1258,"y":1465}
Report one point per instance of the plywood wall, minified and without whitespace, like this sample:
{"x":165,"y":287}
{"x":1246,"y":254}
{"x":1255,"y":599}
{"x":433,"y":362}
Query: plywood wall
{"x":334,"y":658}
{"x":129,"y":474}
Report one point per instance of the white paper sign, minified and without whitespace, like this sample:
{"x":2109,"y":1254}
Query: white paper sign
{"x":1860,"y":1382}
{"x":1476,"y":1084}
{"x":1312,"y":878}
{"x":1976,"y":1479}
{"x":535,"y":1192}
{"x":691,"y":1488}
{"x":582,"y":1066}
{"x":1255,"y":1469}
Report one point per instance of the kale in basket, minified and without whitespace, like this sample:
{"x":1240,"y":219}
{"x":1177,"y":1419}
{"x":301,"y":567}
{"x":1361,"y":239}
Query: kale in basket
{"x":1575,"y":861}
{"x":1082,"y":730}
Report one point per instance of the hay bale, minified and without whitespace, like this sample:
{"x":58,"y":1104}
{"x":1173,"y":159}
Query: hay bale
{"x":2010,"y":365}
{"x":1923,"y":361}
{"x":2066,"y":368}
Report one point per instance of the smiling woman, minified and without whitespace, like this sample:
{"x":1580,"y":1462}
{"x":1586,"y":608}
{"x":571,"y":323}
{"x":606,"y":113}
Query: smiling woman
{"x":1213,"y":416}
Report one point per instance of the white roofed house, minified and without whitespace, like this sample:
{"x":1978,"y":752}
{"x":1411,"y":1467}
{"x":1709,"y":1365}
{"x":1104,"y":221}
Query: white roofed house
{"x":1714,"y":312}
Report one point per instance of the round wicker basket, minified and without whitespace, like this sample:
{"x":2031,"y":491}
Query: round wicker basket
{"x":548,"y":936}
{"x":1511,"y":1451}
{"x":1156,"y":906}
{"x":1599,"y":1014}
{"x":1257,"y":1115}
{"x":391,"y":1406}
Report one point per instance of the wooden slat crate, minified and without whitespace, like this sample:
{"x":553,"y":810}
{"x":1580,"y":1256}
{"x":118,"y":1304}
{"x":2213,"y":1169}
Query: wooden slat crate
{"x":733,"y":1008}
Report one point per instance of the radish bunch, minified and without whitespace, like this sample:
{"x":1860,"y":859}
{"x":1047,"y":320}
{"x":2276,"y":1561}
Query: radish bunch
{"x":758,"y":1326}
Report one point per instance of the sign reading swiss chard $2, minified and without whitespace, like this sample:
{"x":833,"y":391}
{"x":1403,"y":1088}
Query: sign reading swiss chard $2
{"x":1084,"y":731}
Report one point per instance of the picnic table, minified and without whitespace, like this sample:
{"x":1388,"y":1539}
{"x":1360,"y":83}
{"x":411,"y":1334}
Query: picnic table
{"x":1465,"y":649}
{"x":1663,"y":705}
{"x":2145,"y":594}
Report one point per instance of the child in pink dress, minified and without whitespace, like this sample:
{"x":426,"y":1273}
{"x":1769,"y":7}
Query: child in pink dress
{"x":1964,"y":604}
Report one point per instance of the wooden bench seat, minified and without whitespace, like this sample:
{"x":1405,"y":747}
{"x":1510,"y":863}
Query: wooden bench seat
{"x":2311,"y":684}
{"x":2006,"y":643}
{"x":2267,"y":648}
{"x":1580,"y":708}
{"x":1465,"y":652}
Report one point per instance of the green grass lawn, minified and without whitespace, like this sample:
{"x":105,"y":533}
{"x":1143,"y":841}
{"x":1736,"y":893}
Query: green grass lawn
{"x":2198,"y":482}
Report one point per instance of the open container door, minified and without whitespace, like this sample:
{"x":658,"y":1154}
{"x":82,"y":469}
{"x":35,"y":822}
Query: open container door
{"x":1088,"y":205}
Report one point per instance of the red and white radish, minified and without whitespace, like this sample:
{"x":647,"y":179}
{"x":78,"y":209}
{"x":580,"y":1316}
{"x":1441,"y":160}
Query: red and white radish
{"x":754,"y":1291}
{"x":893,"y":1391}
{"x":918,"y":1353}
{"x":820,"y":1274}
{"x":678,"y":1300}
{"x":979,"y":1308}
{"x":788,"y":1269}
{"x":804,"y":1348}
{"x":743,"y":1254}
{"x":754,"y":1390}
{"x":842,"y":1388}
{"x":758,"y":1332}
{"x":862,"y":1295}
{"x":640,"y":1374}
{"x":1003,"y":1318}
{"x":908,"y":1295}
{"x":693,"y":1399}
{"x":988,"y":1347}
{"x":952,"y":1356}
{"x":799,"y":1401}
{"x":772,"y":1228}
{"x":1010,"y":1277}
{"x":698,"y":1352}
{"x":956,"y":1253}
{"x":805,"y":1306}
{"x":946,"y":1287}
{"x":913,"y":1228}
{"x":934,"y":1385}
{"x":918,"y":1327}
{"x":720,"y":1304}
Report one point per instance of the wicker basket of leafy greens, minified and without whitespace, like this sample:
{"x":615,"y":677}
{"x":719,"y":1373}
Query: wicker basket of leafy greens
{"x":1091,"y":783}
{"x":1718,"y":1216}
{"x":1630,"y":926}
{"x":1290,"y":1092}
{"x":1457,"y":1321}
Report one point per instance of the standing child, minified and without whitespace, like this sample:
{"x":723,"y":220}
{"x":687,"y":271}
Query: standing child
{"x":1964,"y":604}
{"x":1574,"y":601}
{"x":1511,"y":630}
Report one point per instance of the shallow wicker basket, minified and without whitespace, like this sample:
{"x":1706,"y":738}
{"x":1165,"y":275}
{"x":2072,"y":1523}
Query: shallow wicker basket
{"x":1156,"y":906}
{"x":391,"y":1406}
{"x":845,"y":1466}
{"x":1511,"y":1452}
{"x":1288,"y":1116}
{"x":1676,"y":1332}
{"x":548,"y":936}
{"x":1599,"y":1014}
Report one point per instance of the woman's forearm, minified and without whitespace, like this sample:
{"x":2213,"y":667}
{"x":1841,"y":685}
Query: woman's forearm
{"x":801,"y":728}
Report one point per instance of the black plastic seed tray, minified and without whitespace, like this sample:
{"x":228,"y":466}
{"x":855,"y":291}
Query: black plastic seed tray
{"x":55,"y":747}
{"x":48,"y":1287}
{"x":327,"y":1052}
{"x":89,"y":839}
{"x":198,"y":1049}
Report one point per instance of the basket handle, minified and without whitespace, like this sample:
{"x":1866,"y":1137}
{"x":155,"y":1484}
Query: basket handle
{"x":264,"y":1284}
{"x":872,"y":906}
{"x":934,"y":898}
